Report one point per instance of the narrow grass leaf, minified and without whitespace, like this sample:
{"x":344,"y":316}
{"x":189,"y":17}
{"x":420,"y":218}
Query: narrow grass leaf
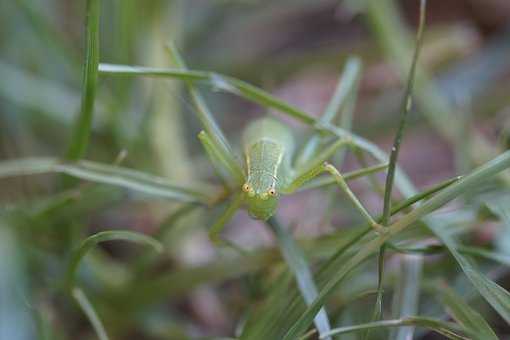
{"x":463,"y":313}
{"x":103,"y":236}
{"x":89,"y":311}
{"x":295,"y":259}
{"x":106,"y":174}
{"x":494,"y":294}
{"x":81,"y":132}
{"x":216,"y":81}
{"x":392,"y":166}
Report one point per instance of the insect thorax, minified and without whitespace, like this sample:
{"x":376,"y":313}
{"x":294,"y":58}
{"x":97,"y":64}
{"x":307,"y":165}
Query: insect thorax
{"x":263,"y":160}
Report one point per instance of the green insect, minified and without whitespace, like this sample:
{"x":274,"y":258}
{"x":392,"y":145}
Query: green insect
{"x":272,"y":164}
{"x":271,"y":170}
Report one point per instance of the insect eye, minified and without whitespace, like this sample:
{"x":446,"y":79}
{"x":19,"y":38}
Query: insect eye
{"x":272,"y":192}
{"x":246,"y":187}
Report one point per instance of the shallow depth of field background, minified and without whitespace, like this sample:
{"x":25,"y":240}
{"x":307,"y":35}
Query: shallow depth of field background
{"x":294,"y":49}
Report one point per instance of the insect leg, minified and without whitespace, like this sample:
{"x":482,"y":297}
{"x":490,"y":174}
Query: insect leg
{"x":339,"y":179}
{"x":306,"y":173}
{"x":217,"y":227}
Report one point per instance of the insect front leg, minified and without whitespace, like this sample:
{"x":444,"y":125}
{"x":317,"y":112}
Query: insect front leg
{"x":320,"y":165}
{"x":339,"y":179}
{"x":217,"y":227}
{"x":305,"y":173}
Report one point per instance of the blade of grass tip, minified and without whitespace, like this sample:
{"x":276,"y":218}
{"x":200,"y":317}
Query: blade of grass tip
{"x":447,"y":329}
{"x":347,"y":84}
{"x":208,"y":121}
{"x":390,"y":177}
{"x":106,"y":174}
{"x":81,"y":131}
{"x":462,"y":312}
{"x":103,"y":236}
{"x":295,"y":259}
{"x":89,"y":311}
{"x":485,"y":286}
{"x":424,"y":194}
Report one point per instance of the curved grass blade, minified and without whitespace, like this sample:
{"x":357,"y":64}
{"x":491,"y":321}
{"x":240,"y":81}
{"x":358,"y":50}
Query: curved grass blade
{"x":214,"y":80}
{"x":106,"y":174}
{"x":104,"y":236}
{"x":487,"y":288}
{"x":81,"y":132}
{"x":295,"y":259}
{"x":448,"y":329}
{"x":89,"y":311}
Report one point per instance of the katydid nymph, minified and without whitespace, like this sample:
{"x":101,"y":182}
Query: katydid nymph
{"x":271,"y":166}
{"x":270,"y":171}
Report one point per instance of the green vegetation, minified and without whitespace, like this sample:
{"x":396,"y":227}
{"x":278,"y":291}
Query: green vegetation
{"x":131,"y":165}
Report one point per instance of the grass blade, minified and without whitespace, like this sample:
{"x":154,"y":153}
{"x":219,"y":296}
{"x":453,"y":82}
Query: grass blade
{"x":448,"y":329}
{"x":463,"y":313}
{"x":81,"y":131}
{"x":214,"y":80}
{"x":404,"y":109}
{"x":390,"y":177}
{"x":494,"y":294}
{"x":104,"y":236}
{"x":106,"y":174}
{"x":89,"y":311}
{"x":295,"y":259}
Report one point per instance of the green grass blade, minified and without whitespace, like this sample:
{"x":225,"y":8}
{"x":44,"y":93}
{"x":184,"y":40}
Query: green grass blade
{"x":106,"y":174}
{"x":448,"y":329}
{"x":296,"y":260}
{"x":89,"y":311}
{"x":216,"y":81}
{"x":404,"y":109}
{"x":463,"y":313}
{"x":81,"y":132}
{"x":486,"y":287}
{"x":494,"y":294}
{"x":103,"y":236}
{"x":390,"y":177}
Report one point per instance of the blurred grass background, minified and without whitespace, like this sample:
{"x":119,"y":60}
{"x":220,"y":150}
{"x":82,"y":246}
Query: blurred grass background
{"x":294,"y":49}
